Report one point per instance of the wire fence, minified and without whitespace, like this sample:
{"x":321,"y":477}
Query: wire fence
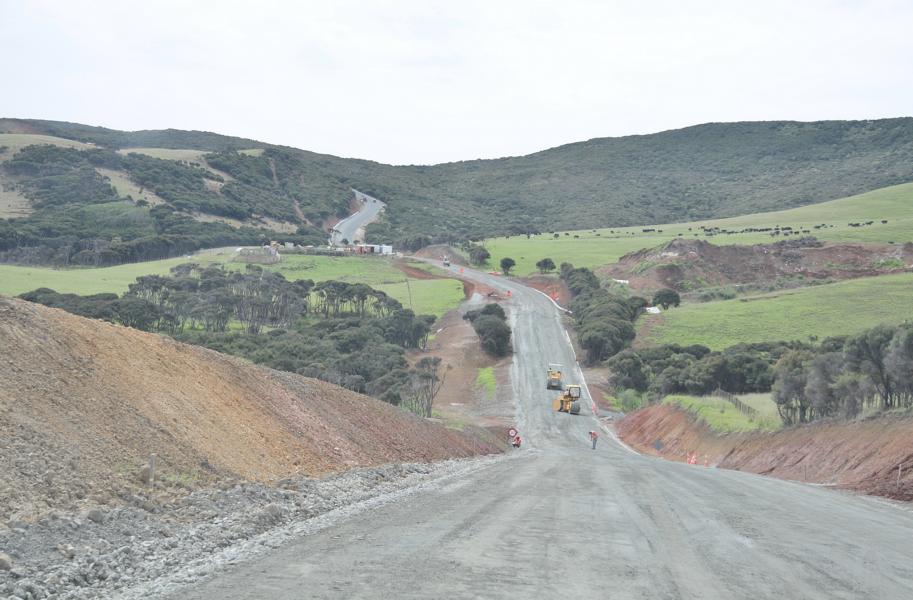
{"x":743,"y":408}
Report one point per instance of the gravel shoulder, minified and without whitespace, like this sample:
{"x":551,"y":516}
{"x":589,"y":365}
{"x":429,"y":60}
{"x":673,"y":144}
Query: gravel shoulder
{"x":138,"y":551}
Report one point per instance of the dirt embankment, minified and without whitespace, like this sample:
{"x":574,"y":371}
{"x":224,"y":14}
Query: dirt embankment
{"x":83,"y":403}
{"x":686,"y":265}
{"x":552,"y":286}
{"x":436,"y":251}
{"x":859,"y":455}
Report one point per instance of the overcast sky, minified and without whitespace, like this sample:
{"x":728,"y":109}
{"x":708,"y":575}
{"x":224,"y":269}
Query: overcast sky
{"x":425,"y":81}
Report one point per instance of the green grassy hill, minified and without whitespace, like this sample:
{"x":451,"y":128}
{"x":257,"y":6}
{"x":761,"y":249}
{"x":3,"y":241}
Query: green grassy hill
{"x":589,"y":248}
{"x":842,"y":308}
{"x":707,"y":171}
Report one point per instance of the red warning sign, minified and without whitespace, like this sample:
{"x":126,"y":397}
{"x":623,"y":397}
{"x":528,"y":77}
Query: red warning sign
{"x":512,"y":432}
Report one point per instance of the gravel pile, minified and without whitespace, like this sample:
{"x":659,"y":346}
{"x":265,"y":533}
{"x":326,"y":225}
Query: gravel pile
{"x":147,"y":546}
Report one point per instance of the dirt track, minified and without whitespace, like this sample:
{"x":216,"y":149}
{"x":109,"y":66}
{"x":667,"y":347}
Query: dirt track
{"x":562,"y":520}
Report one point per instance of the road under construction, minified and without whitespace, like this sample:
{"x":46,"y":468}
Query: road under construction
{"x":559,"y":519}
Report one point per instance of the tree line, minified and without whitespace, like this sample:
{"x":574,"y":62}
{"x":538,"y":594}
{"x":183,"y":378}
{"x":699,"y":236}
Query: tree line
{"x":347,"y":334}
{"x":604,"y":321}
{"x":843,"y":375}
{"x":838,"y":377}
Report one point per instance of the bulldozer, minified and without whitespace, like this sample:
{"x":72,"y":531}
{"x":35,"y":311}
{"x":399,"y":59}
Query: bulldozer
{"x":553,"y":377}
{"x":569,"y":401}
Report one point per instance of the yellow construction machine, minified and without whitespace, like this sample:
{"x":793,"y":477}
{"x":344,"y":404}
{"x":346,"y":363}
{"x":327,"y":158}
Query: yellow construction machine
{"x":569,"y":401}
{"x":553,"y":377}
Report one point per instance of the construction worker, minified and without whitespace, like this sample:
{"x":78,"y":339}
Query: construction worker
{"x":516,"y":441}
{"x":593,"y":437}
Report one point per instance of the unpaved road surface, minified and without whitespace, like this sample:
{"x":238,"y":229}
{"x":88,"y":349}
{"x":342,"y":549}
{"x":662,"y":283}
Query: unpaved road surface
{"x":352,"y":227}
{"x":565,"y":521}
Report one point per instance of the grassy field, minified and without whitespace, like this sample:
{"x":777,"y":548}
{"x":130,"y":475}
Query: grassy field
{"x":602,"y":246}
{"x":486,"y":380}
{"x":720,"y":415}
{"x":765,"y":406}
{"x":840,"y":308}
{"x":16,"y":141}
{"x":182,"y":154}
{"x":425,"y":296}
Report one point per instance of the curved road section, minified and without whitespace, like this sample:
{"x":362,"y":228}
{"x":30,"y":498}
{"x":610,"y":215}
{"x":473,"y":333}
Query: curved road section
{"x":352,"y":228}
{"x":560,"y":520}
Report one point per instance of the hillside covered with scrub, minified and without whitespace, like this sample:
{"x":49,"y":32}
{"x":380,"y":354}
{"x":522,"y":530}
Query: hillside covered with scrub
{"x":100,"y":196}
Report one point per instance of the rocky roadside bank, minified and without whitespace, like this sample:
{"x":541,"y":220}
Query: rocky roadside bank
{"x":145,"y":548}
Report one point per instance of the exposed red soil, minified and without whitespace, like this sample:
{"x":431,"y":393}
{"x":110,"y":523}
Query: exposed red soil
{"x":859,"y":455}
{"x":89,"y":401}
{"x":436,"y":251}
{"x":685,"y":264}
{"x":553,"y":286}
{"x":415,"y":272}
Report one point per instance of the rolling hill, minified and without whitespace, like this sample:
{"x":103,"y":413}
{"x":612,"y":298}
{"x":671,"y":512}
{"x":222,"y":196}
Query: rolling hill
{"x":706,"y":171}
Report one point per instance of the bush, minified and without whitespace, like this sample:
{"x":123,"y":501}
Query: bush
{"x":494,"y":334}
{"x":490,"y":323}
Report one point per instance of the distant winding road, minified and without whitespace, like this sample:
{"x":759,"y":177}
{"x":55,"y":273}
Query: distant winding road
{"x":352,"y":227}
{"x":564,"y":521}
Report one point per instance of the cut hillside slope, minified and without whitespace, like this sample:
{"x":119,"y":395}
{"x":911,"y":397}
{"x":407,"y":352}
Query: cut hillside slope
{"x":859,"y":455}
{"x":83,"y":403}
{"x":687,"y":265}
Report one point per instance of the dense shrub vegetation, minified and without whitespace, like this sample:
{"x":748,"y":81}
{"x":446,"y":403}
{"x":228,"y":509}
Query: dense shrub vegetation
{"x":490,"y":323}
{"x":347,"y":334}
{"x":604,"y":321}
{"x":673,"y":369}
{"x":80,"y":219}
{"x":841,"y":376}
{"x":837,"y":378}
{"x":698,"y":172}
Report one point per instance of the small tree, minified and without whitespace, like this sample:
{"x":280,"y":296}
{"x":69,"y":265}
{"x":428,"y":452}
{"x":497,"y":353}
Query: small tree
{"x":545,"y":265}
{"x":666,"y":298}
{"x":478,"y":255}
{"x":507,"y":264}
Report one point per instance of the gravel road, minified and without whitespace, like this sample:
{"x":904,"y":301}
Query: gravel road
{"x":352,"y":227}
{"x":562,"y":520}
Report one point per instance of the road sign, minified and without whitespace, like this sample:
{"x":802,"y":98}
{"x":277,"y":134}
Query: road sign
{"x":512,"y":432}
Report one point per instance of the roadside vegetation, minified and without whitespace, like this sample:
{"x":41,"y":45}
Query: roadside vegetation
{"x":347,"y":334}
{"x":485,"y":380}
{"x":603,"y":321}
{"x":490,"y":324}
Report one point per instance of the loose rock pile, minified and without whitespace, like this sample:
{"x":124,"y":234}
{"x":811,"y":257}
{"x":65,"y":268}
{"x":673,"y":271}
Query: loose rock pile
{"x":149,"y":545}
